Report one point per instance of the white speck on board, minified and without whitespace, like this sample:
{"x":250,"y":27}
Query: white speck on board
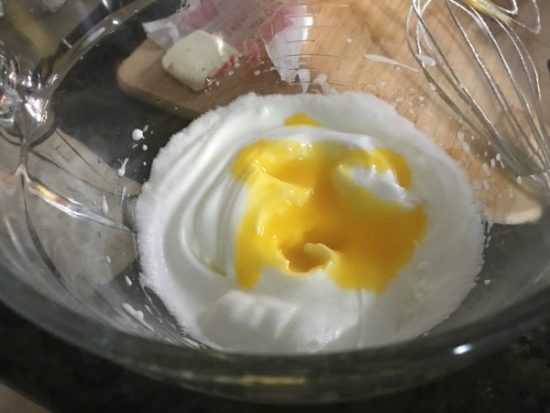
{"x":122,"y":170}
{"x":137,"y":135}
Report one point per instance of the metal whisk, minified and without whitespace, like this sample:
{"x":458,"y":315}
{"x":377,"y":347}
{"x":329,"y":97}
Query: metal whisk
{"x":473,"y":53}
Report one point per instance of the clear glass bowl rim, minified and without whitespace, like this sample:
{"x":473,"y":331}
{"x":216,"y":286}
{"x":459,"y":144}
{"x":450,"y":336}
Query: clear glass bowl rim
{"x":210,"y":366}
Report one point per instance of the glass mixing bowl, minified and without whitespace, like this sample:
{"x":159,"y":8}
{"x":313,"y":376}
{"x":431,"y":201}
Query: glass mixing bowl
{"x":78,"y":76}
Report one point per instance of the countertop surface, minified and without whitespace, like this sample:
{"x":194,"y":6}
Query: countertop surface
{"x":64,"y":378}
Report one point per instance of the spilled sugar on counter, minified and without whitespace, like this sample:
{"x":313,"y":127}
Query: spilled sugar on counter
{"x":307,"y":223}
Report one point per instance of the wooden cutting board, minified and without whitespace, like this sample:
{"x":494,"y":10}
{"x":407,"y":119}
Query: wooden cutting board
{"x":344,"y":32}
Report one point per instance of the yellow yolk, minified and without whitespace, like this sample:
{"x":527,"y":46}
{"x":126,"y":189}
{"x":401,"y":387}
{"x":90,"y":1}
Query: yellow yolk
{"x":301,"y":119}
{"x":303,"y":211}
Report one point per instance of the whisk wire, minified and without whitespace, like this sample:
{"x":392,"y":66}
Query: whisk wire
{"x":519,"y":133}
{"x":535,"y":111}
{"x":449,"y":74}
{"x":454,"y":81}
{"x":534,"y":82}
{"x":512,"y":119}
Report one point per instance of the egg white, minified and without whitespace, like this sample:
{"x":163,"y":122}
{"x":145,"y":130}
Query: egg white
{"x":188,"y":212}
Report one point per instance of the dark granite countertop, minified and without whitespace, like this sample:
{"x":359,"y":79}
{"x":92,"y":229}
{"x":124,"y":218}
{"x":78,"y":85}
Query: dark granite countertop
{"x":64,"y":378}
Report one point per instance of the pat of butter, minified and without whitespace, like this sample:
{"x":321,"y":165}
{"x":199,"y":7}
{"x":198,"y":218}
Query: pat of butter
{"x":197,"y":57}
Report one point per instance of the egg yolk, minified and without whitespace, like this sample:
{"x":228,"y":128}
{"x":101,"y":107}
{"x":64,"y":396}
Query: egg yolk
{"x":301,"y":119}
{"x":303,"y":212}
